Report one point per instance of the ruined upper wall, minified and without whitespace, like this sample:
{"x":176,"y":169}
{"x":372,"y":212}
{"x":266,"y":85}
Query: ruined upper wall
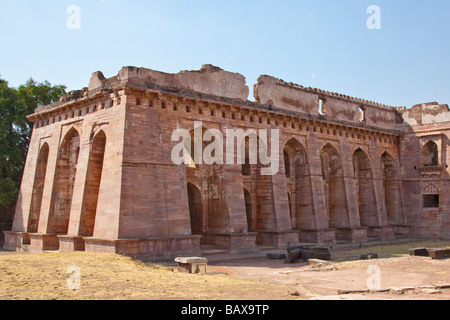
{"x":208,"y":80}
{"x":292,"y":97}
{"x":425,"y":114}
{"x":269,"y":93}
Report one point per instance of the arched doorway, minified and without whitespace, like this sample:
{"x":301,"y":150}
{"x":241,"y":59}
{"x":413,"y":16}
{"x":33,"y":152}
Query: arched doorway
{"x":391,"y":186}
{"x":195,"y":209}
{"x":248,"y":210}
{"x":38,"y":189}
{"x":430,"y":154}
{"x":66,"y":169}
{"x":365,"y":190}
{"x":92,"y":187}
{"x":298,"y":185}
{"x":333,"y":184}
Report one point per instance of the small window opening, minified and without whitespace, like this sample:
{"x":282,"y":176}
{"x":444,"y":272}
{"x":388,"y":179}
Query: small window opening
{"x":431,"y":201}
{"x":362,"y":114}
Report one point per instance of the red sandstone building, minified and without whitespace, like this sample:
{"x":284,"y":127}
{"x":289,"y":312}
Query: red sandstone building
{"x":99,"y":175}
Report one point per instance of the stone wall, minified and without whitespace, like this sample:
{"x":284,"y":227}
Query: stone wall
{"x":350,"y":169}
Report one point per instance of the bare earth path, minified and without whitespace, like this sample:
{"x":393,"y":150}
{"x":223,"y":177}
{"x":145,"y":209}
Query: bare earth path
{"x":401,"y":276}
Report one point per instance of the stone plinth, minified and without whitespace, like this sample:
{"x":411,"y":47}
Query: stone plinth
{"x":383,"y":233}
{"x":318,"y":236}
{"x":357,"y":234}
{"x":192,"y":265}
{"x":14,"y":241}
{"x":43,"y":242}
{"x":147,"y":249}
{"x":231,"y":241}
{"x":70,"y":244}
{"x":402,"y":230}
{"x":276,"y":238}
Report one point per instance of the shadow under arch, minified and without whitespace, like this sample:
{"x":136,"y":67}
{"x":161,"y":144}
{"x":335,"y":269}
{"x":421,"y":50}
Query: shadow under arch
{"x":66,"y":168}
{"x":298,"y":185}
{"x":195,"y":209}
{"x":365,"y":189}
{"x":334,"y":187}
{"x":392,"y":190}
{"x":92,"y":185}
{"x":38,"y":189}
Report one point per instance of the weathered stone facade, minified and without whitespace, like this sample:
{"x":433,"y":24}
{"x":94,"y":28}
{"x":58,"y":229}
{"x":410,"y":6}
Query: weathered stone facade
{"x":99,"y":174}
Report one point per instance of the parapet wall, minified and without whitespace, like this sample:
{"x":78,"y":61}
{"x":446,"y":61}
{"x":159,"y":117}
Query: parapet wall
{"x":292,"y":97}
{"x":209,"y":80}
{"x":269,"y":93}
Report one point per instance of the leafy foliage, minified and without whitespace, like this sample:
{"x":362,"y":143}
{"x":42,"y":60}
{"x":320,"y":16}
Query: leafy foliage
{"x":15,"y":130}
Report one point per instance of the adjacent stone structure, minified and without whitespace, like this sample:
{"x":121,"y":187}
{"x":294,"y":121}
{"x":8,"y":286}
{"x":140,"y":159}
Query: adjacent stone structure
{"x":99,"y":174}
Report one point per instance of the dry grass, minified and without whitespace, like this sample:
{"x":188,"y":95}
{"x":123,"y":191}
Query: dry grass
{"x":112,"y":277}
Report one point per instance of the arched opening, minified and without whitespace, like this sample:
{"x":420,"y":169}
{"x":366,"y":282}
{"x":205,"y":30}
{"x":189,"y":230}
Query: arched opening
{"x":298,"y":185}
{"x":333,"y":184}
{"x":38,"y":189}
{"x":248,"y":210}
{"x":364,"y":190}
{"x":249,"y":153}
{"x":392,"y":194}
{"x":287,"y":164}
{"x":431,"y":154}
{"x":66,"y":168}
{"x":206,"y":175}
{"x":92,"y":187}
{"x":195,"y":209}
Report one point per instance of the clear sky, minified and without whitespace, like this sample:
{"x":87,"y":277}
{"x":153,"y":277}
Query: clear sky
{"x":324,"y":44}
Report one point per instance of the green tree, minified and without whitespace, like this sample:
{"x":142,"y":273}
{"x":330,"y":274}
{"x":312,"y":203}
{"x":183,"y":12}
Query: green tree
{"x":15,"y":130}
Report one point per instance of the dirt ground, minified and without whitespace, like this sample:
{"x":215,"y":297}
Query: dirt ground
{"x":394,"y":276}
{"x":112,"y":277}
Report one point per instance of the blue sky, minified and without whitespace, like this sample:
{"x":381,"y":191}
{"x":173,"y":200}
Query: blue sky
{"x":322,"y":43}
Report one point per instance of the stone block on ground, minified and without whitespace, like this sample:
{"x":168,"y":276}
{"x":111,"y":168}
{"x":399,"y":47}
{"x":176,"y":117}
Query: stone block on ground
{"x":321,"y":253}
{"x":277,"y":255}
{"x":192,"y":264}
{"x":419,"y":252}
{"x":439,"y":253}
{"x":295,"y":246}
{"x":293,"y":256}
{"x":369,"y":256}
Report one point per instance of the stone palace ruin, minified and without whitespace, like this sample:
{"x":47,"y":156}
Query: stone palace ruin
{"x":99,"y":175}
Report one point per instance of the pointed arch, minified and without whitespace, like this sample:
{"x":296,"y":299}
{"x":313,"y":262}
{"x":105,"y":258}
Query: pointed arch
{"x":430,"y":154}
{"x":365,"y":189}
{"x":66,"y":168}
{"x":392,"y":192}
{"x":92,"y":185}
{"x":195,"y":209}
{"x":298,"y":185}
{"x":38,"y":189}
{"x":334,"y":188}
